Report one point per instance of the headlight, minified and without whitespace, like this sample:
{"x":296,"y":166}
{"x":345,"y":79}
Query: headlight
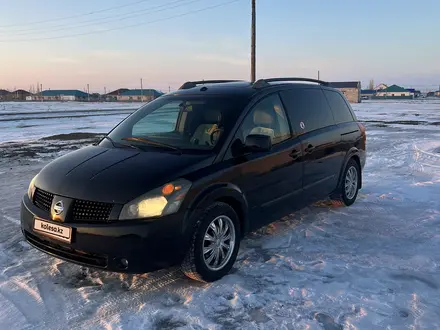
{"x":31,"y":189}
{"x":158,"y":202}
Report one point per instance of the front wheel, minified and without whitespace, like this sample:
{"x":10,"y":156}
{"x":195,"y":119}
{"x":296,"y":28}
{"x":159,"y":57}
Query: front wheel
{"x":349,"y":188}
{"x":215,"y":244}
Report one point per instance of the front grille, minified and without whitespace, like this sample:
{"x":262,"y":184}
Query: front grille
{"x":89,"y":259}
{"x":43,"y":199}
{"x":91,"y":211}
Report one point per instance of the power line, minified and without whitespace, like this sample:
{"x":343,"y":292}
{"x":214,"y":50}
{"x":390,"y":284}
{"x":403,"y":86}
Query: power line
{"x":107,"y":19}
{"x":124,"y":27}
{"x":78,"y":15}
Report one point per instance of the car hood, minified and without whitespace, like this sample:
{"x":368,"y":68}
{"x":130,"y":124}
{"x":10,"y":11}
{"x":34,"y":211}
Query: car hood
{"x":115,"y":175}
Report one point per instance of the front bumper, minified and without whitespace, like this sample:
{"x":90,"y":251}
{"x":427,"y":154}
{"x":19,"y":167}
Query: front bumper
{"x":146,"y":245}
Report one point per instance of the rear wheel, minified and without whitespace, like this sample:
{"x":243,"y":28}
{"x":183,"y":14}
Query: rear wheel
{"x":215,"y":244}
{"x":349,"y":188}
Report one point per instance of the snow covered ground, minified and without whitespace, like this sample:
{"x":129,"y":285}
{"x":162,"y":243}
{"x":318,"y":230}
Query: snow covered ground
{"x":21,"y":121}
{"x":373,"y":265}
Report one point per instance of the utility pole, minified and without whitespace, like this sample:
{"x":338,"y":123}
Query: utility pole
{"x":142,"y":92}
{"x":318,"y":74}
{"x":169,"y":89}
{"x":253,"y":42}
{"x":88,"y":93}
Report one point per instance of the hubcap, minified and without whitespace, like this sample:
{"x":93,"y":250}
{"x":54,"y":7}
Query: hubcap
{"x":218,"y":243}
{"x":351,"y":182}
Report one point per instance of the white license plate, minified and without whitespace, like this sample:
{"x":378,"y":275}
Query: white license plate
{"x":56,"y":231}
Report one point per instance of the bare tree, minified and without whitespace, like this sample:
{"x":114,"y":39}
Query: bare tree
{"x":371,"y":84}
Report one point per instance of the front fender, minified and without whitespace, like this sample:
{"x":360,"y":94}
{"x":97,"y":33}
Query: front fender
{"x":225,"y":192}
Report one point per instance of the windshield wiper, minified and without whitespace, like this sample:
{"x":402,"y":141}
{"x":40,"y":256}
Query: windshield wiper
{"x":120,"y":144}
{"x":152,"y":143}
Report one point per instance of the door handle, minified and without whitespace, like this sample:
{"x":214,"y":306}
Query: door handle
{"x":309,"y":148}
{"x":295,"y":154}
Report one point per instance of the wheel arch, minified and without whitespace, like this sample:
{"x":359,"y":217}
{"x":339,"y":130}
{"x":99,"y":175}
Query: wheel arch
{"x":219,"y":192}
{"x":354,"y":154}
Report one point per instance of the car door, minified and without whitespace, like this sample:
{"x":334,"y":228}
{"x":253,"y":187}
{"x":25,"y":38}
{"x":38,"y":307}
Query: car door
{"x":313,"y":120}
{"x":347,"y":128}
{"x":270,"y":180}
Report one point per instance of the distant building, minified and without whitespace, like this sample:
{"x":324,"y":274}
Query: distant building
{"x":394,"y":92}
{"x":381,"y":86}
{"x":113,"y":96}
{"x":33,"y":98}
{"x":367,"y":94}
{"x":415,"y":92}
{"x":64,"y":95}
{"x":139,"y":95}
{"x":18,"y":95}
{"x":4,"y":94}
{"x":351,"y":90}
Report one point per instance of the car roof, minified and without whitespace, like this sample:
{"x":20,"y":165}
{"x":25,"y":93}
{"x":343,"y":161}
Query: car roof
{"x":239,"y":88}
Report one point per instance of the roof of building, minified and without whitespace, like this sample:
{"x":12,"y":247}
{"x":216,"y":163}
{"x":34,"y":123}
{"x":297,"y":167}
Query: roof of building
{"x":118,"y":91}
{"x":368,"y":91}
{"x":413,"y":90}
{"x":21,"y":91}
{"x":67,"y":92}
{"x":3,"y":92}
{"x":139,"y":92}
{"x":345,"y":84}
{"x":394,"y":89}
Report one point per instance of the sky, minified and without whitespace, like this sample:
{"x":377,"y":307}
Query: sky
{"x":111,"y":44}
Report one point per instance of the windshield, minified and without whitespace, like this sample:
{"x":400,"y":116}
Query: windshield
{"x":180,"y":123}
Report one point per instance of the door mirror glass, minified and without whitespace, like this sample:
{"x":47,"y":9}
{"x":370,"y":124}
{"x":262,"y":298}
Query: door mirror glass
{"x":258,"y":142}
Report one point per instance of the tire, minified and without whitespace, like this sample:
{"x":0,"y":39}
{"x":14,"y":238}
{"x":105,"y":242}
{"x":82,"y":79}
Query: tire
{"x":196,"y":264}
{"x":346,"y":196}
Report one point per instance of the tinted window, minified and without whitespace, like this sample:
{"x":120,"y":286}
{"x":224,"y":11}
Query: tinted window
{"x":341,"y":112}
{"x":307,"y":108}
{"x":186,"y":122}
{"x":267,"y":117}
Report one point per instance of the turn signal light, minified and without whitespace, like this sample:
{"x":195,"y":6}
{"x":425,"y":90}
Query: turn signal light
{"x":168,"y":189}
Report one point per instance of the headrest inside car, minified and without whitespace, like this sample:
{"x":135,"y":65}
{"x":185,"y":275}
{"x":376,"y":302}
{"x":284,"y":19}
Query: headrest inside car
{"x":263,"y":118}
{"x":212,"y":116}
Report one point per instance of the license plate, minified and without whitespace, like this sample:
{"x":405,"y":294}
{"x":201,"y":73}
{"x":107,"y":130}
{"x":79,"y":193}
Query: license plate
{"x":56,"y":231}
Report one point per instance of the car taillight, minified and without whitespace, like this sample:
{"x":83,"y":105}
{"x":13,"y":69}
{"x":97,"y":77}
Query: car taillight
{"x":363,"y":132}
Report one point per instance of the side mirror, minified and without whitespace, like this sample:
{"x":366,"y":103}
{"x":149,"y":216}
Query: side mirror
{"x":258,"y":142}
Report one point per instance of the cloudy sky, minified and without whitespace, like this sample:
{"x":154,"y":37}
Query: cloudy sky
{"x":114,"y":43}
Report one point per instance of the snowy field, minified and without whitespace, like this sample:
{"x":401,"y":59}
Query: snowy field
{"x":20,"y":121}
{"x":373,"y":265}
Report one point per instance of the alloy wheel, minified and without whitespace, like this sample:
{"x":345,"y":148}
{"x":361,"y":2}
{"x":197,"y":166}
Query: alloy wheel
{"x":351,"y":182}
{"x":218,"y":242}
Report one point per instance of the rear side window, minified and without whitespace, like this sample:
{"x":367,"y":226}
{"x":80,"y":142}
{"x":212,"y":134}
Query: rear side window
{"x":341,"y":111}
{"x":307,"y":108}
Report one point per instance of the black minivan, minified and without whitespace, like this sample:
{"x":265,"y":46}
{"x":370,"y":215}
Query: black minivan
{"x":186,"y":176}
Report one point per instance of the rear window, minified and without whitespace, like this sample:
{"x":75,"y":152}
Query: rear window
{"x":307,"y":108}
{"x":341,"y":111}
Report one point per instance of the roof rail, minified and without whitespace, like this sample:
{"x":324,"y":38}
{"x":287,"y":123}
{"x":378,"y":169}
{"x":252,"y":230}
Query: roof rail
{"x":265,"y":82}
{"x":192,"y":84}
